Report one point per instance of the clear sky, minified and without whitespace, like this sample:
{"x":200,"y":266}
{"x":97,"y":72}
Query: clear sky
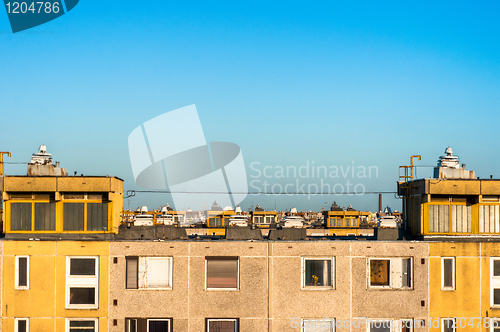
{"x":334,"y":83}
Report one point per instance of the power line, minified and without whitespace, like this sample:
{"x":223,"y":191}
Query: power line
{"x":131,"y":193}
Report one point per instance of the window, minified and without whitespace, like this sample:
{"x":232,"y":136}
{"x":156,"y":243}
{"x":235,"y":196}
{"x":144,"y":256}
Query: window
{"x":20,"y":216}
{"x":461,"y":218}
{"x":448,"y":325}
{"x":148,"y":325}
{"x":391,"y":273}
{"x":351,"y":222}
{"x":97,"y":216}
{"x":448,"y":273}
{"x":222,"y":273}
{"x":74,"y":216}
{"x":392,"y":325}
{"x":439,"y":219}
{"x":495,"y":325}
{"x":82,"y":282}
{"x":158,"y":325}
{"x":336,"y":222}
{"x":82,"y":325}
{"x":317,"y":325}
{"x":489,"y":221}
{"x":495,"y":281}
{"x":318,"y":273}
{"x":21,"y":325}
{"x":222,"y":325}
{"x":45,"y":216}
{"x":215,"y":222}
{"x":148,"y":272}
{"x":270,"y":219}
{"x":258,"y":219}
{"x":131,"y":273}
{"x":22,"y":270}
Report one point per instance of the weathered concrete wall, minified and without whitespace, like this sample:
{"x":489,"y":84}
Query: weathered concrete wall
{"x":389,"y":303}
{"x":188,"y":303}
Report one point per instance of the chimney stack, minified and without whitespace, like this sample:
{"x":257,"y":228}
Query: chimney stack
{"x":379,"y":202}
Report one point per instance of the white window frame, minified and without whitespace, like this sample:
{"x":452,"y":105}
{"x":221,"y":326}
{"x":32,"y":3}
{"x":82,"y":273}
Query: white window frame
{"x":303,"y":272}
{"x":494,"y":282}
{"x":27,"y":273}
{"x":453,"y":274}
{"x":143,"y":268}
{"x":256,"y":220}
{"x":321,"y":321}
{"x":454,"y":326}
{"x":222,"y":289}
{"x":494,"y":323}
{"x":160,"y":320}
{"x":396,"y":323}
{"x":270,"y":219}
{"x":82,"y":281}
{"x":395,"y":277}
{"x":96,"y":325}
{"x":222,"y":320}
{"x":16,"y":327}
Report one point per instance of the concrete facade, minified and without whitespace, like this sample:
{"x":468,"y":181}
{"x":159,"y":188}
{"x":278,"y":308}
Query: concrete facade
{"x":271,"y":296}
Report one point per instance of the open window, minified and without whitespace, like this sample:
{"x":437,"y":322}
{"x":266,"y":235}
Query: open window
{"x":22,"y":270}
{"x":318,"y":273}
{"x":82,"y":325}
{"x":148,"y":325}
{"x":392,"y":273}
{"x":448,"y":325}
{"x":148,"y":272}
{"x":82,"y":282}
{"x":317,"y":325}
{"x":222,"y":325}
{"x":222,"y":273}
{"x":448,"y":273}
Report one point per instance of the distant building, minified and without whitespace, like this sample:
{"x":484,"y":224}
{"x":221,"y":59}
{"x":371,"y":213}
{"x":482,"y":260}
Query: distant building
{"x":454,"y":202}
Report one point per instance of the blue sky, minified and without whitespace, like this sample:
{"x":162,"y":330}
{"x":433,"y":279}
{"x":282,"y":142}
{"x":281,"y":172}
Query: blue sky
{"x":289,"y":82}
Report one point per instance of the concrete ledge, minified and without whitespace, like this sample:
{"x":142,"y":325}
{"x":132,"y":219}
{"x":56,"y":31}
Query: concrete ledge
{"x":288,"y":234}
{"x":151,"y":233}
{"x":388,"y":234}
{"x":237,"y":233}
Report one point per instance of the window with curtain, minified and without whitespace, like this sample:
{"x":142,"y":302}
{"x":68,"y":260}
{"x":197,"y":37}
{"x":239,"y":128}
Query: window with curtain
{"x":439,"y":219}
{"x":20,"y":217}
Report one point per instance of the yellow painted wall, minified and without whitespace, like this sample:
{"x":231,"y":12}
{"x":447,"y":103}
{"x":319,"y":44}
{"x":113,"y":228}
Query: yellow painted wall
{"x":45,"y":299}
{"x":472,"y":295}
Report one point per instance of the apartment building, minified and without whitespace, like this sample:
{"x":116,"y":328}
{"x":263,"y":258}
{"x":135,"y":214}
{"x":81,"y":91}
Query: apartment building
{"x":68,"y":264}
